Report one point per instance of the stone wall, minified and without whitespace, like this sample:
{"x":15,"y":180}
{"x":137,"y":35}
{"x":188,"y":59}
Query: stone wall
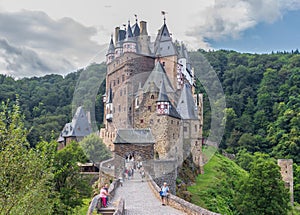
{"x":144,"y":150}
{"x":124,"y":75}
{"x":165,"y":171}
{"x":179,"y":203}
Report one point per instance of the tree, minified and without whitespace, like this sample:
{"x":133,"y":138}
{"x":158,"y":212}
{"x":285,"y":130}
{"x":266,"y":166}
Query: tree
{"x":68,"y":182}
{"x":263,"y":191}
{"x":296,"y":169}
{"x":24,"y":179}
{"x":94,"y":148}
{"x":244,"y":159}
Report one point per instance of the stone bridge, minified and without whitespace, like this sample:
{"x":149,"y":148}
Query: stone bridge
{"x":141,"y":197}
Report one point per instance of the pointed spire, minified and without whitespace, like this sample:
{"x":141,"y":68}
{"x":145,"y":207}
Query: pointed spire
{"x":111,"y":48}
{"x":163,"y":97}
{"x":135,"y":28}
{"x":129,"y":35}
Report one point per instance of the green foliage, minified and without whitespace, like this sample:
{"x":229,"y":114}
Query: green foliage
{"x":262,"y":99}
{"x":296,"y":169}
{"x":262,"y":191}
{"x":24,"y":173}
{"x":94,"y":148}
{"x":215,"y":189}
{"x":68,"y":182}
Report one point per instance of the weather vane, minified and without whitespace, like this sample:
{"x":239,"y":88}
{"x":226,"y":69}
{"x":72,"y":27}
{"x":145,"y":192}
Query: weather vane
{"x":164,"y":14}
{"x":136,"y":19}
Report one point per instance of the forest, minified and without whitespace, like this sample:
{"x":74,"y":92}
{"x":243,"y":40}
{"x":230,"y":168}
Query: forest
{"x":262,"y":94}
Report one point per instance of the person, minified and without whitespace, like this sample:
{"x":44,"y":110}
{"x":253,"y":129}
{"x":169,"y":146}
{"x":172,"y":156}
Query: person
{"x":142,"y":174}
{"x":164,"y":193}
{"x":121,"y":180}
{"x":129,"y":173}
{"x":104,"y":195}
{"x":106,"y":188}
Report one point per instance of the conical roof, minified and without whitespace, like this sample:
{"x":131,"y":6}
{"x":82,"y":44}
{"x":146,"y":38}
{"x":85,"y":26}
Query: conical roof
{"x":111,"y":48}
{"x":129,"y":35}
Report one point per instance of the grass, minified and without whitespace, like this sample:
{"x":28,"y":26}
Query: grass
{"x":218,"y":170}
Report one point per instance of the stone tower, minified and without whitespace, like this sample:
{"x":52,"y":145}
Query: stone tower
{"x":286,"y":170}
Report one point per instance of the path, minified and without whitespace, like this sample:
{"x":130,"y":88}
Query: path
{"x":140,"y":199}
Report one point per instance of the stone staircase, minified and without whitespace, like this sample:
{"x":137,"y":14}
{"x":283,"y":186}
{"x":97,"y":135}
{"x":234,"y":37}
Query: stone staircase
{"x":106,"y":211}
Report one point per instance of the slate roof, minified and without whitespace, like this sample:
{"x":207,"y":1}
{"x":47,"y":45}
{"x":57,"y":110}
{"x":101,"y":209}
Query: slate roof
{"x":79,"y":127}
{"x":129,"y":34}
{"x":111,"y":48}
{"x":136,"y":30}
{"x":158,"y":75}
{"x":134,"y":136}
{"x":163,"y":43}
{"x":173,"y":112}
{"x":163,"y":97}
{"x":151,"y":88}
{"x":186,"y":105}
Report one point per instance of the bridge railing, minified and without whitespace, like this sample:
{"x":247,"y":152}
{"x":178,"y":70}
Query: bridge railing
{"x":179,"y":203}
{"x":107,"y":167}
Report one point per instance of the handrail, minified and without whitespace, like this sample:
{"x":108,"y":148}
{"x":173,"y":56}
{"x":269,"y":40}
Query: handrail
{"x":178,"y":203}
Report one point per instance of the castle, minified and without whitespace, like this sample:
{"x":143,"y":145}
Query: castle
{"x":151,"y":110}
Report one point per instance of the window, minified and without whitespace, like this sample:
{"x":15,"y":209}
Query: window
{"x":142,"y":121}
{"x":119,"y":108}
{"x":172,"y":121}
{"x":152,"y":97}
{"x":123,"y":78}
{"x":195,"y":128}
{"x":185,"y":129}
{"x":149,"y":108}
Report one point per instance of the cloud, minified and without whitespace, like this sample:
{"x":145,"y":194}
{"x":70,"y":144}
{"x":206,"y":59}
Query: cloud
{"x":33,"y":44}
{"x":230,"y":18}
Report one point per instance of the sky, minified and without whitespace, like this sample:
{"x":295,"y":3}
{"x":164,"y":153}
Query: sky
{"x":60,"y":36}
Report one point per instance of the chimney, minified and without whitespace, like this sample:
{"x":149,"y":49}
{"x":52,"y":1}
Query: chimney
{"x":117,"y":34}
{"x":143,"y":25}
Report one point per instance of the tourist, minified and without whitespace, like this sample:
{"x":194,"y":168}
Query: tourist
{"x":104,"y":195}
{"x":164,"y":193}
{"x":121,"y":180}
{"x":142,"y":174}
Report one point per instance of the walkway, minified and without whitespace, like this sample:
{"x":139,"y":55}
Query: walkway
{"x":140,"y":200}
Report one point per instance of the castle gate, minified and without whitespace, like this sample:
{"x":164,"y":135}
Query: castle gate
{"x":131,"y":144}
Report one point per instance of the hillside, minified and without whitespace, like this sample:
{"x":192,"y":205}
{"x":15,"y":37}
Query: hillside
{"x":215,"y":188}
